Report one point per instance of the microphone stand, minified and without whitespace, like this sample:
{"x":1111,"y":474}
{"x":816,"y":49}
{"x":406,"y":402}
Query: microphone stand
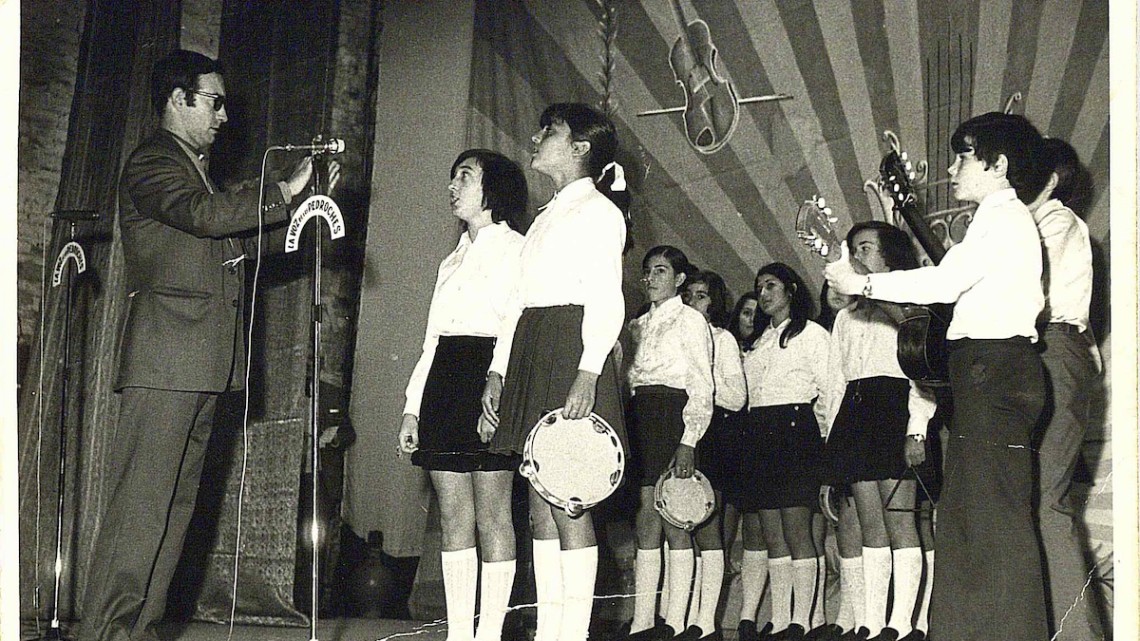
{"x":71,"y":250}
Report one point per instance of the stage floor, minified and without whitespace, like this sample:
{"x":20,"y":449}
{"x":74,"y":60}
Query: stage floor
{"x":327,"y":630}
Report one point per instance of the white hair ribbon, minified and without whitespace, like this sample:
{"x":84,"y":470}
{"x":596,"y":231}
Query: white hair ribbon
{"x":619,"y":176}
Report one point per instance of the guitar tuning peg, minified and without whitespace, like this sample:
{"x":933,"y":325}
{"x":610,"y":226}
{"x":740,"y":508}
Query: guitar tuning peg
{"x":895,"y":187}
{"x":823,"y":251}
{"x":832,"y":219}
{"x":817,"y":242}
{"x":902,"y":156}
{"x":827,"y":210}
{"x":821,"y":203}
{"x":911,"y":175}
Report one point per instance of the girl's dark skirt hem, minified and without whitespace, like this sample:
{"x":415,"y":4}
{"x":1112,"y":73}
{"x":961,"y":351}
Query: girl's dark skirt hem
{"x":718,"y":452}
{"x":868,"y":440}
{"x":545,"y":353}
{"x":780,"y":454}
{"x":451,"y":406}
{"x":656,"y":431}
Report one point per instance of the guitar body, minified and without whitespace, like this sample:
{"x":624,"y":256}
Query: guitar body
{"x":711,"y":108}
{"x":922,"y":350}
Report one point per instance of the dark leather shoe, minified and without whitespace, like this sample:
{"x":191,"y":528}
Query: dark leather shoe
{"x":691,"y":633}
{"x":794,"y":632}
{"x":765,"y":633}
{"x":887,"y":634}
{"x":746,"y":631}
{"x":715,"y":635}
{"x":914,"y":635}
{"x":659,"y":632}
{"x":859,"y":634}
{"x":825,"y":632}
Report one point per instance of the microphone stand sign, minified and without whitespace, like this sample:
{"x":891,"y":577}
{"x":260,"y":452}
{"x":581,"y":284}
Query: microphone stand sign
{"x":320,"y":206}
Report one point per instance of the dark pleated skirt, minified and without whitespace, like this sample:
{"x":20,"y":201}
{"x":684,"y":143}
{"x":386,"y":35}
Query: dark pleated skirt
{"x":449,"y":413}
{"x":868,"y":440}
{"x":656,"y":430}
{"x":718,"y":452}
{"x":543,"y":365}
{"x":780,"y":459}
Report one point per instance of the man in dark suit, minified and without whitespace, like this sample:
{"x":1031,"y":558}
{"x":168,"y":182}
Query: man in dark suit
{"x":182,"y":345}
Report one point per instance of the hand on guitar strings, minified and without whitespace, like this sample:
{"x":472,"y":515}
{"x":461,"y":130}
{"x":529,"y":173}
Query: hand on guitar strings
{"x":843,"y":276}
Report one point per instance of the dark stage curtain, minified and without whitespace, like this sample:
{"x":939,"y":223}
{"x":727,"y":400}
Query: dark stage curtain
{"x":110,"y":113}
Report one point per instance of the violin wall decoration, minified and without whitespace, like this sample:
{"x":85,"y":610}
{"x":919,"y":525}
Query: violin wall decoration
{"x":711,"y":110}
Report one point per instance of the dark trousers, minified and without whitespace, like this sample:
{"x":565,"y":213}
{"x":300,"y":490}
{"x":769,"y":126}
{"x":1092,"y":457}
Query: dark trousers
{"x":988,"y":581}
{"x":1071,"y":371}
{"x":151,"y":476}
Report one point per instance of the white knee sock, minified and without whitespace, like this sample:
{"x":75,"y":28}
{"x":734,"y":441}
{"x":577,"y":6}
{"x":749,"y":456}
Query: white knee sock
{"x":803,"y":590}
{"x":923,"y":622}
{"x":877,"y":585}
{"x":817,"y":613}
{"x":664,"y":607}
{"x":695,"y":591}
{"x":712,"y":579}
{"x":460,"y":575}
{"x":579,"y":573}
{"x":908,"y":579}
{"x":680,"y":578}
{"x":646,"y":576}
{"x":753,"y":576}
{"x":851,"y":599}
{"x":780,"y":578}
{"x":548,"y":588}
{"x":498,"y":577}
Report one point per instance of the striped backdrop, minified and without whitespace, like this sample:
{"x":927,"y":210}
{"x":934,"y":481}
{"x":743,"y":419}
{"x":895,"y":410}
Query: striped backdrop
{"x":854,"y":69}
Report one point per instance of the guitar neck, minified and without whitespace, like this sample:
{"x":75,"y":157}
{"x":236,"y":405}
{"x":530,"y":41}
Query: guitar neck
{"x":922,"y":231}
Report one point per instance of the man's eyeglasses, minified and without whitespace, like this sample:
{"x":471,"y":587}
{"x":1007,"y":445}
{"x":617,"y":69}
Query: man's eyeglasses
{"x":219,"y":99}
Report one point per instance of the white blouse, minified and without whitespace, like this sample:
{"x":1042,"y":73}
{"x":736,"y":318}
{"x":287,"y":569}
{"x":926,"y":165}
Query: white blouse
{"x":572,"y":256}
{"x":675,"y":349}
{"x":796,"y":373}
{"x":1068,"y":264}
{"x":472,"y":296}
{"x":994,"y":274}
{"x":731,"y":390}
{"x":864,"y":343}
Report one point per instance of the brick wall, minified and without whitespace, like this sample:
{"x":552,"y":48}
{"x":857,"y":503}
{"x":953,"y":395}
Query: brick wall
{"x":50,"y":33}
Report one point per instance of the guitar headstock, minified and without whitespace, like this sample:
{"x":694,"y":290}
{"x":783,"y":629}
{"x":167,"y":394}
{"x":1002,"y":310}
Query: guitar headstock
{"x":815,"y":227}
{"x":897,"y":175}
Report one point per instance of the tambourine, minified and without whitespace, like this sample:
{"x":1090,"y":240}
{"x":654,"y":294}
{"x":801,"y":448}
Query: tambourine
{"x":684,"y":503}
{"x":573,"y":463}
{"x":827,"y":503}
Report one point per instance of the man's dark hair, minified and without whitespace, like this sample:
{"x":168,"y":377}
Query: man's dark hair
{"x":179,"y":69}
{"x":1074,"y":182}
{"x":993,"y":134}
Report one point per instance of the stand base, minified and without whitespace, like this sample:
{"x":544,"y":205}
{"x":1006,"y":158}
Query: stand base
{"x":54,"y":634}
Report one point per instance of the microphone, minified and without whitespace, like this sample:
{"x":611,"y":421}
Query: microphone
{"x":330,"y":146}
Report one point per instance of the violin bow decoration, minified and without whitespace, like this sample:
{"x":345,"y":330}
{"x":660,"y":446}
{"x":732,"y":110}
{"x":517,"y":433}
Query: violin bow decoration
{"x":711,"y":110}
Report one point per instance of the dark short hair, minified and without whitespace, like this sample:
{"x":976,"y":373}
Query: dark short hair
{"x":800,"y":307}
{"x":898,"y":251}
{"x":718,"y":296}
{"x":677,"y":260}
{"x":992,"y":134}
{"x":504,"y":185}
{"x":1074,"y":182}
{"x":179,"y":69}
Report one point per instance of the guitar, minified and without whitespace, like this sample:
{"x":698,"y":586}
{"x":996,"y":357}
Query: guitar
{"x":923,"y":352}
{"x":921,"y":348}
{"x":711,"y":110}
